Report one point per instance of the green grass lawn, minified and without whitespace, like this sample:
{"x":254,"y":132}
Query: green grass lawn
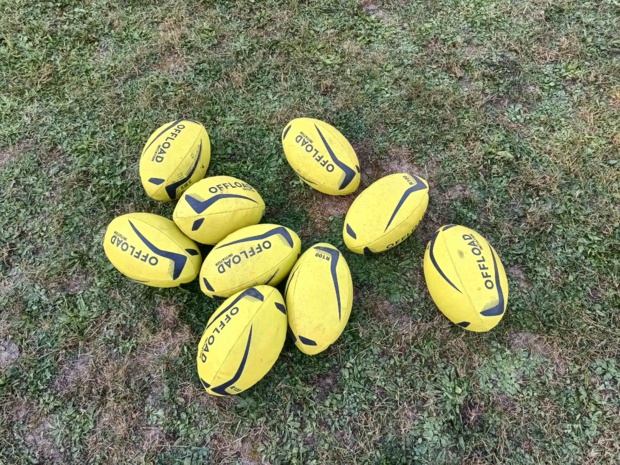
{"x":510,"y":109}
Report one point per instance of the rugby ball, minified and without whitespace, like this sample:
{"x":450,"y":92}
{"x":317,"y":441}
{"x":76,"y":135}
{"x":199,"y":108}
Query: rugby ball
{"x":259,"y":254}
{"x":151,"y":249}
{"x":214,"y":207}
{"x":386,"y":213}
{"x":242,"y":341}
{"x":176,"y":156}
{"x":466,"y":278}
{"x":321,"y":156}
{"x":319,"y":298}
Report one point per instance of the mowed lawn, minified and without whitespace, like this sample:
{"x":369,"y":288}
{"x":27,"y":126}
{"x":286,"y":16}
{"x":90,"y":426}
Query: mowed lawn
{"x":509,"y":108}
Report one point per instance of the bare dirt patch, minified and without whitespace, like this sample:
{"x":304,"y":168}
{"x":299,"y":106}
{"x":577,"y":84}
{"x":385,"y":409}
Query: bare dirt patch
{"x":507,"y":404}
{"x":40,"y":437}
{"x":327,"y":383}
{"x":458,"y":192}
{"x":74,"y":373}
{"x":373,"y":10}
{"x":323,"y":208}
{"x":472,"y":413}
{"x":517,"y":273}
{"x":402,"y":160}
{"x":9,"y":353}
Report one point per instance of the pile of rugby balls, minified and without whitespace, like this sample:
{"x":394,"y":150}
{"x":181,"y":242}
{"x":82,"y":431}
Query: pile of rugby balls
{"x":245,"y":335}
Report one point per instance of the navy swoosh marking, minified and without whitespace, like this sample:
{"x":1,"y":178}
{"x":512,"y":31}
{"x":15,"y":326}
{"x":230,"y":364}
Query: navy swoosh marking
{"x":221,"y":389}
{"x":251,"y":292}
{"x":156,"y":181}
{"x":286,"y":132}
{"x":351,"y":232}
{"x":200,"y":206}
{"x":204,"y":383}
{"x":178,"y":259}
{"x":436,"y":265}
{"x":464,"y":324}
{"x":197,"y":224}
{"x":281,"y":307}
{"x":207,"y":284}
{"x":192,"y":252}
{"x":162,"y":132}
{"x":272,"y":276}
{"x":499,"y":308}
{"x":171,"y":189}
{"x":418,"y":187}
{"x":306,"y":341}
{"x":334,"y":263}
{"x":278,"y":231}
{"x":349,"y":174}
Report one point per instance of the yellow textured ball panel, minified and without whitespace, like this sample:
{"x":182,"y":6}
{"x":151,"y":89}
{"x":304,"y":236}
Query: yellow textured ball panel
{"x":319,"y":298}
{"x":259,"y":254}
{"x":242,"y":341}
{"x":214,"y":207}
{"x":151,"y":249}
{"x":386,"y":213}
{"x":466,"y":278}
{"x":176,"y":155}
{"x":321,"y":156}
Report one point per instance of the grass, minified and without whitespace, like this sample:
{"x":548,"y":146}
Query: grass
{"x":511,"y":110}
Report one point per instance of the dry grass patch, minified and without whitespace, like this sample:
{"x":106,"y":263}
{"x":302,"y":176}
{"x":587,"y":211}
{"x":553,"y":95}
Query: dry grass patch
{"x":126,"y":389}
{"x":14,"y":152}
{"x":37,"y":427}
{"x":123,"y":436}
{"x":540,"y":347}
{"x":230,"y":448}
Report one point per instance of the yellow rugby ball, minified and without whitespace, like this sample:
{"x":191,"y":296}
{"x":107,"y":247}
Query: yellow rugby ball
{"x":319,"y":298}
{"x":386,"y":213}
{"x":176,"y":156}
{"x":214,"y":207}
{"x":259,"y":254}
{"x":466,"y":278}
{"x":321,"y":156}
{"x":151,"y":249}
{"x":242,"y":341}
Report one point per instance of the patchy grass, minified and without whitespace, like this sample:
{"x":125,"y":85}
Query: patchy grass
{"x":510,"y":109}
